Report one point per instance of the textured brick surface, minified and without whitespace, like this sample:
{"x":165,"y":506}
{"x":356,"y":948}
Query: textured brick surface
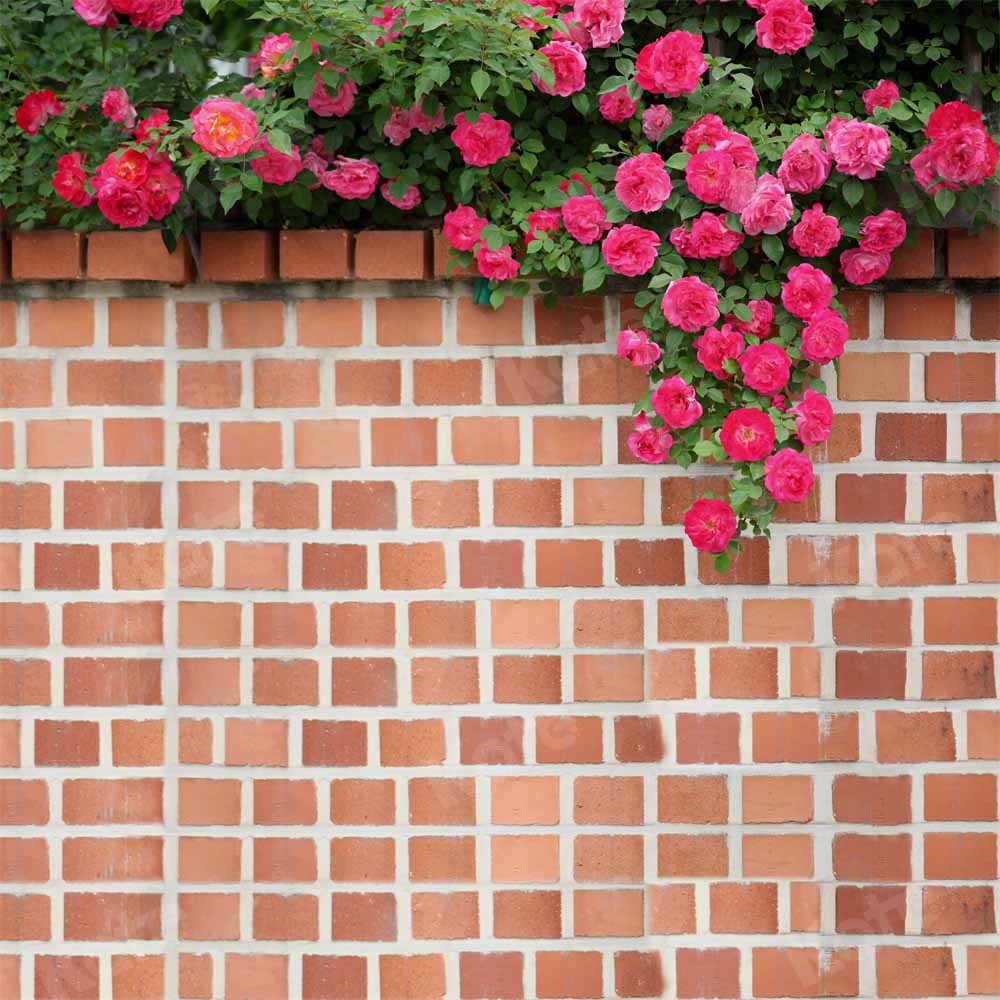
{"x":340,"y":656}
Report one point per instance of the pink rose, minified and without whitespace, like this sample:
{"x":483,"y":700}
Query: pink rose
{"x":569,"y":66}
{"x":354,"y":179}
{"x":655,"y":121}
{"x":123,"y":205}
{"x":768,"y":209}
{"x":714,"y":347}
{"x":675,"y":402}
{"x":462,"y":227}
{"x":125,"y":166}
{"x":337,"y":106}
{"x":575,"y":178}
{"x":482,"y":142}
{"x":709,"y":130}
{"x":34,"y":111}
{"x":391,"y":21}
{"x":498,"y":265}
{"x":407,"y":201}
{"x":804,"y":166}
{"x":162,"y":188}
{"x":274,"y":167}
{"x":642,"y":183}
{"x":884,"y":95}
{"x":584,"y":218}
{"x":740,"y":148}
{"x":708,"y":174}
{"x":602,"y":18}
{"x":813,"y":417}
{"x":149,"y":14}
{"x":630,"y":250}
{"x":788,"y":475}
{"x":690,"y":304}
{"x":806,"y":291}
{"x":635,"y":347}
{"x":252,"y":92}
{"x":70,"y":180}
{"x":710,"y":524}
{"x":542,"y":220}
{"x":116,"y":107}
{"x":224,"y":127}
{"x":424,"y":123}
{"x":765,"y":368}
{"x":276,"y":55}
{"x":709,"y":238}
{"x":147,"y":131}
{"x":947,"y":117}
{"x":399,"y":126}
{"x":816,"y":233}
{"x":671,"y":65}
{"x":859,"y":149}
{"x":96,"y":13}
{"x":759,"y":325}
{"x":786,"y":26}
{"x":861,"y":266}
{"x":925,"y":171}
{"x":648,"y":443}
{"x":747,"y":434}
{"x":824,"y":337}
{"x":966,"y":155}
{"x":616,"y":105}
{"x":882,"y":233}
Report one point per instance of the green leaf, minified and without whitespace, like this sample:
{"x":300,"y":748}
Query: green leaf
{"x":678,"y":161}
{"x":853,"y":191}
{"x":230,"y":195}
{"x":556,"y":127}
{"x":773,"y":248}
{"x":593,"y":278}
{"x":280,"y":140}
{"x":743,"y":312}
{"x":480,"y":81}
{"x":944,"y":200}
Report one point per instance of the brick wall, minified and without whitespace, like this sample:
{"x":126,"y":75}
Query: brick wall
{"x":345,"y":652}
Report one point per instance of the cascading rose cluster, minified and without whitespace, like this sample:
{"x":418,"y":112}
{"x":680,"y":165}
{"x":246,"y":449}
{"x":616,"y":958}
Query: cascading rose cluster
{"x":741,"y":258}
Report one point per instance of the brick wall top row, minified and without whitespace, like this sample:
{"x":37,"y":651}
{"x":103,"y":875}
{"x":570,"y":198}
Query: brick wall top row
{"x":337,"y":254}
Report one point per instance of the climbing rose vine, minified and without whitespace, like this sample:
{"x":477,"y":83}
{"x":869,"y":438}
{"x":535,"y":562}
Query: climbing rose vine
{"x":729,"y":165}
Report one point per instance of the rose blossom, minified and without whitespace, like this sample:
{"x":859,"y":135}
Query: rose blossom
{"x":708,"y":175}
{"x":786,"y":26}
{"x":859,"y":149}
{"x":788,"y":475}
{"x":499,"y":265}
{"x":568,"y":65}
{"x":768,"y":209}
{"x":224,"y":127}
{"x":710,"y":524}
{"x":426,"y":124}
{"x":635,"y":347}
{"x":149,"y":14}
{"x":462,"y":227}
{"x":824,"y":336}
{"x":252,"y":92}
{"x":147,"y":131}
{"x":642,"y":183}
{"x":714,"y":347}
{"x":884,"y":95}
{"x":747,"y":434}
{"x":882,"y":233}
{"x":967,"y":155}
{"x":925,"y":170}
{"x":275,"y":167}
{"x":602,"y":18}
{"x":675,"y":402}
{"x":96,"y":13}
{"x":655,"y":121}
{"x":949,"y":116}
{"x":816,"y":233}
{"x":482,"y":142}
{"x":648,"y":443}
{"x":671,"y":65}
{"x":409,"y":199}
{"x":616,"y":106}
{"x":337,"y":106}
{"x":542,"y":220}
{"x":162,"y":188}
{"x":123,"y":205}
{"x":630,"y":250}
{"x":765,"y":368}
{"x":813,"y":417}
{"x":276,"y":55}
{"x":690,"y":304}
{"x":34,"y":111}
{"x":70,"y":180}
{"x":804,"y":166}
{"x":584,"y":218}
{"x":806,"y":291}
{"x":706,"y":131}
{"x":708,"y":238}
{"x":759,"y":325}
{"x":575,"y":178}
{"x":116,"y":107}
{"x":861,"y":266}
{"x":353,"y":179}
{"x":399,"y":127}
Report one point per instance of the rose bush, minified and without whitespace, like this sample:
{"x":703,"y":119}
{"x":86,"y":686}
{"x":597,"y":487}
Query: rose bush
{"x":729,"y":160}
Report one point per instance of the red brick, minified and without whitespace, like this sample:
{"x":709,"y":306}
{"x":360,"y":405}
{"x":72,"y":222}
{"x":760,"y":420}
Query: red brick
{"x":383,"y":254}
{"x":135,"y":322}
{"x":488,"y":326}
{"x":713,"y":972}
{"x":368,"y":383}
{"x":871,"y":498}
{"x":950,"y":499}
{"x":138,"y":256}
{"x":25,"y":383}
{"x":486,"y":440}
{"x":910,"y":437}
{"x":247,"y":324}
{"x":209,"y":385}
{"x":576,"y":320}
{"x":919,"y":316}
{"x":314,"y":254}
{"x":529,"y":381}
{"x":914,"y":972}
{"x":238,"y":255}
{"x":981,"y":437}
{"x":283,"y":505}
{"x":974,"y":255}
{"x":115,"y":383}
{"x":960,"y":377}
{"x":60,"y":322}
{"x":328,"y":322}
{"x":874,"y":376}
{"x":447,"y":383}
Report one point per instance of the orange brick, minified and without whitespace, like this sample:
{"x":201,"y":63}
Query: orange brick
{"x":407,"y":322}
{"x":607,"y":501}
{"x":314,"y":254}
{"x":874,"y":376}
{"x":486,"y":440}
{"x":135,"y":322}
{"x":392,"y":254}
{"x":134,"y":441}
{"x":567,"y":441}
{"x":328,"y":322}
{"x":55,"y":444}
{"x":252,"y":324}
{"x":61,"y":322}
